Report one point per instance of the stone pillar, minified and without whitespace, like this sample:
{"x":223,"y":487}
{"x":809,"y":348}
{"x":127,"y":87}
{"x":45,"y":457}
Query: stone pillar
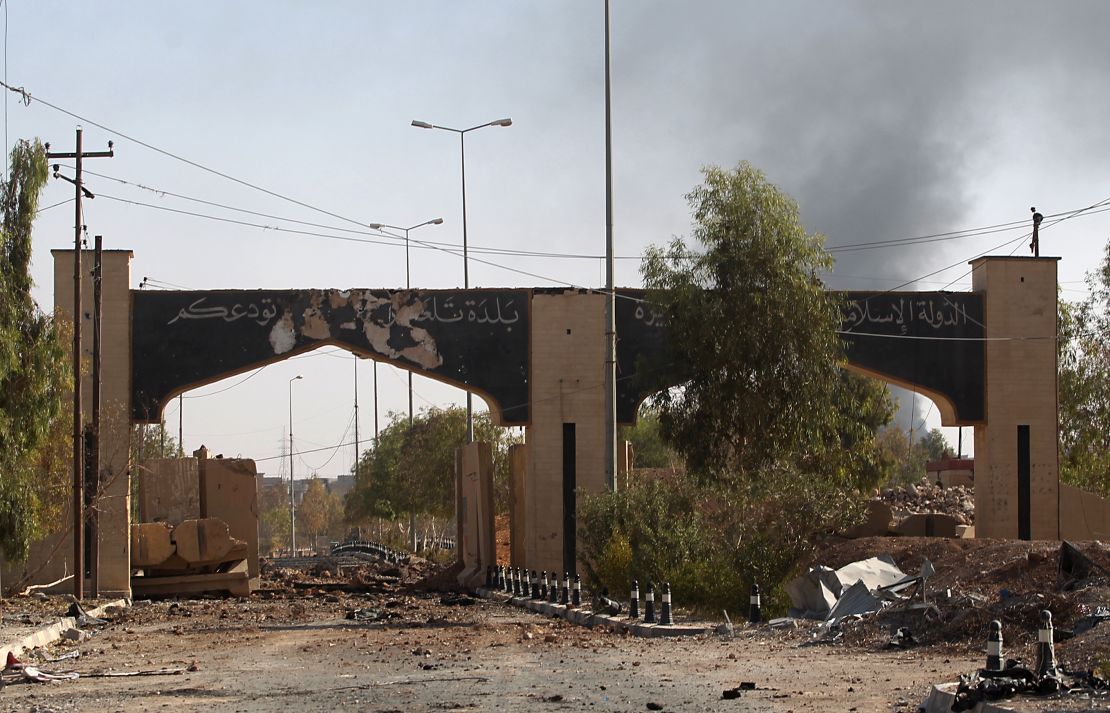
{"x":1017,"y":489}
{"x":115,"y":429}
{"x":567,"y":388}
{"x":518,"y":481}
{"x":474,"y":510}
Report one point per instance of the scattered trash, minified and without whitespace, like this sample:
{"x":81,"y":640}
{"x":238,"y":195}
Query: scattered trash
{"x":83,"y":619}
{"x":731,"y":693}
{"x":33,"y":673}
{"x":653,"y":706}
{"x":783,"y":622}
{"x":125,"y":674}
{"x":76,"y":653}
{"x":1090,"y":621}
{"x":366,"y":614}
{"x":453,"y":600}
{"x":902,"y":639}
{"x":726,"y":628}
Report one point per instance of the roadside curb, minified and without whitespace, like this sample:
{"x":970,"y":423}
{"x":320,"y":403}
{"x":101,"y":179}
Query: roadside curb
{"x":52,"y":632}
{"x":583,"y":616}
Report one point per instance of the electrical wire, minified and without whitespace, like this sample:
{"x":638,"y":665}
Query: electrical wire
{"x":336,"y":451}
{"x":54,"y":205}
{"x":851,"y":247}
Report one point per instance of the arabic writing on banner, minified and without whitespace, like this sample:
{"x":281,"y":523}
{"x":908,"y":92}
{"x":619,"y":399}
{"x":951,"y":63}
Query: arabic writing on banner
{"x":476,"y":338}
{"x":907,"y":313}
{"x":479,"y":311}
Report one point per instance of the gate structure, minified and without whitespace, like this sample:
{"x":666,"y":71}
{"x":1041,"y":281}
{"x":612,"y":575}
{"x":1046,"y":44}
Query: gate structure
{"x":987,"y":358}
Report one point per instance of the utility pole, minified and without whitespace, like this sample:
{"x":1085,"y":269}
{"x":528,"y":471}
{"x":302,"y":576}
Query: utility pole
{"x":610,"y":289}
{"x":94,"y":457}
{"x":78,"y":435}
{"x":356,"y":416}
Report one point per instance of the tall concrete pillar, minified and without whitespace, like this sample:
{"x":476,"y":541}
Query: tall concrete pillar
{"x":1017,"y":489}
{"x":566,"y":456}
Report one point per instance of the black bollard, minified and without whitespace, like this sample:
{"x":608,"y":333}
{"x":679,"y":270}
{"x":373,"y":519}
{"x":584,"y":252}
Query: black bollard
{"x":535,"y":585}
{"x":516,"y":582}
{"x":649,"y":604}
{"x":754,"y":614}
{"x":994,"y":647}
{"x":566,"y":589}
{"x":501,"y":577}
{"x":489,"y":576}
{"x":1046,"y":649}
{"x":543,"y":585}
{"x":553,"y":592}
{"x":576,"y":596}
{"x":666,"y":619}
{"x":634,"y":601}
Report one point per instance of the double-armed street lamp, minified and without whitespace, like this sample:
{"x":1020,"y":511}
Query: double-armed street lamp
{"x":408,"y":281}
{"x":292,"y":508}
{"x":466,"y":273}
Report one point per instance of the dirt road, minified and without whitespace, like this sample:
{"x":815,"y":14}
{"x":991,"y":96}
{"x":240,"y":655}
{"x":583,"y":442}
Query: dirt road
{"x":304,"y":656}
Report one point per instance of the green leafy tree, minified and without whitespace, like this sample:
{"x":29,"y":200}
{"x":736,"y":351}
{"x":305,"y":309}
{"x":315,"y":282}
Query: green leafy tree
{"x":751,"y":331}
{"x":908,"y":459}
{"x":649,"y":448}
{"x":778,"y":439}
{"x":412,"y":470}
{"x":153,"y":440}
{"x":1084,"y":384}
{"x":34,"y":372}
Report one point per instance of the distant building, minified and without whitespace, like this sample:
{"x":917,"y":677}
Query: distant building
{"x":951,"y":471}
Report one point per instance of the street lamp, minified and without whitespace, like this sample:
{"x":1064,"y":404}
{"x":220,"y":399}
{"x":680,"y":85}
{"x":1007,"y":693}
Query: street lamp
{"x":292,"y":508}
{"x":408,"y":283}
{"x":466,"y":274}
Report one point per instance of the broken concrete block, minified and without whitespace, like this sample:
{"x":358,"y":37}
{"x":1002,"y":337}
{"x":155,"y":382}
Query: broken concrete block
{"x":877,"y":524}
{"x":74,"y":634}
{"x":202,"y":540}
{"x":928,"y":525}
{"x":151,"y":544}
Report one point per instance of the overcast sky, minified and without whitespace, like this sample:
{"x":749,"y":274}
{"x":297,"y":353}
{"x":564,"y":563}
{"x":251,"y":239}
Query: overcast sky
{"x":883,"y":120}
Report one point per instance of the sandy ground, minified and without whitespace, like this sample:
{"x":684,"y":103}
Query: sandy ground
{"x":485,"y":656}
{"x":293,"y":647}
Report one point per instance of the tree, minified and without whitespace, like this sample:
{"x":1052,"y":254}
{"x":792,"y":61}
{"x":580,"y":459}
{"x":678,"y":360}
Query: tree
{"x":153,"y":440}
{"x":412,"y":470}
{"x":908,"y":459}
{"x":1084,"y":384}
{"x":319,"y":510}
{"x":778,"y":439}
{"x":34,"y":371}
{"x":751,"y":332}
{"x":648,"y":447}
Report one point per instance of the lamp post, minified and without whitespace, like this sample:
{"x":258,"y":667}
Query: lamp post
{"x":408,"y":281}
{"x":292,"y":507}
{"x":466,"y":270}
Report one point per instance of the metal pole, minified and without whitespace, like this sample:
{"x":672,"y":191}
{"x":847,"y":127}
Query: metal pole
{"x":356,"y":416}
{"x":376,"y":405}
{"x":78,"y":451}
{"x":94,"y":457}
{"x":408,"y":286}
{"x":610,"y":291}
{"x":181,"y":423}
{"x":466,"y":277}
{"x":78,"y":436}
{"x":292,"y":507}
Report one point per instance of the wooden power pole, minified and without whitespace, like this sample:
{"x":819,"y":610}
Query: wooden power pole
{"x":78,"y":432}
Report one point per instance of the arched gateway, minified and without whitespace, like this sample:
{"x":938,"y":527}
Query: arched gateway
{"x":987,"y":358}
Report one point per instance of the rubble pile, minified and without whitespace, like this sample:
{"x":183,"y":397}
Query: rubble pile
{"x":957,"y":501}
